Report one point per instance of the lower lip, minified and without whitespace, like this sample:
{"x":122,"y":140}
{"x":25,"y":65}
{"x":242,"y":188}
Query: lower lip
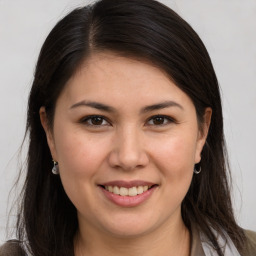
{"x":128,"y":201}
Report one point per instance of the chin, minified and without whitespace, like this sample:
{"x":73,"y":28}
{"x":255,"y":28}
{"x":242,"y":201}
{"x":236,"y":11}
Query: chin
{"x":130,"y":227}
{"x":128,"y":232}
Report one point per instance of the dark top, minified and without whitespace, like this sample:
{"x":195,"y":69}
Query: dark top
{"x":14,"y":248}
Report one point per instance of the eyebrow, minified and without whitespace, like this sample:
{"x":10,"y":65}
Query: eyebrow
{"x":161,"y":105}
{"x":110,"y":109}
{"x":93,"y":104}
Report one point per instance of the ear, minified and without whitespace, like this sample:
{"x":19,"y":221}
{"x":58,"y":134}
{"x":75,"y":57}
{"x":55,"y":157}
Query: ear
{"x":48,"y":132}
{"x":202,"y":133}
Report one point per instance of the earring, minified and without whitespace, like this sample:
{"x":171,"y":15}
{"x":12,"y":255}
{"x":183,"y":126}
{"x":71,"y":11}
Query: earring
{"x":197,"y":170}
{"x":55,"y":168}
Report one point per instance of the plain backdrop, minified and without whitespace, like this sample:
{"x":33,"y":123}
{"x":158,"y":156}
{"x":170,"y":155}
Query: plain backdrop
{"x":228,"y":29}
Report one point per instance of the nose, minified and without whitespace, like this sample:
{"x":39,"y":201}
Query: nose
{"x":128,"y":150}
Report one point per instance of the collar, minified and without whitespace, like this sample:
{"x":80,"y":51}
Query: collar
{"x":196,"y":244}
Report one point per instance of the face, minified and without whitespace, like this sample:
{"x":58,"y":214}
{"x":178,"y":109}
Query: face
{"x":126,"y":139}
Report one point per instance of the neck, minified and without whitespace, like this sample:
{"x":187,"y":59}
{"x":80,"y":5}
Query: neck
{"x":167,"y":241}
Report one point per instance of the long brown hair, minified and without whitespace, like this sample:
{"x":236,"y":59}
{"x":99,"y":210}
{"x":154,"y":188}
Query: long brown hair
{"x":146,"y":30}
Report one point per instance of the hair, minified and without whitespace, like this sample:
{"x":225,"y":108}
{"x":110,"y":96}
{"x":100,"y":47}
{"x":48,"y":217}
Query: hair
{"x":148,"y":31}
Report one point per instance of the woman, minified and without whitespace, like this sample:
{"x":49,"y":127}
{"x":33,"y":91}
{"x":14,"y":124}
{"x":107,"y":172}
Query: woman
{"x":125,"y":110}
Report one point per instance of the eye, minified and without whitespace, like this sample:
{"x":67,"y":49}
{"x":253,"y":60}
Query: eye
{"x":95,"y":121}
{"x":160,"y":120}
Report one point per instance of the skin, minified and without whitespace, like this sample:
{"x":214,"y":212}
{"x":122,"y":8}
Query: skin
{"x":129,"y":143}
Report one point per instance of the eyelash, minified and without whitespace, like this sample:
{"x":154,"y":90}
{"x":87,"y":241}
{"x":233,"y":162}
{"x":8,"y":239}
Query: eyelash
{"x":88,"y":120}
{"x":167,"y":120}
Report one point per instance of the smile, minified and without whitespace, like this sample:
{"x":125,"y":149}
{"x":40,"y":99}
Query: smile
{"x":128,"y":193}
{"x":122,"y":191}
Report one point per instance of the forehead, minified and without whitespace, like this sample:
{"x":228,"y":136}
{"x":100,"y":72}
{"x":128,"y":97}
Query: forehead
{"x":110,"y":78}
{"x":109,"y":67}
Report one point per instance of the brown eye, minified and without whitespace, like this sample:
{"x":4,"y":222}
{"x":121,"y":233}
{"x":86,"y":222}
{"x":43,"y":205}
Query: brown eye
{"x":160,"y":120}
{"x":95,"y":121}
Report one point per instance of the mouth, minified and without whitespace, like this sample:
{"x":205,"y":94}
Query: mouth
{"x":128,"y":193}
{"x":131,"y":191}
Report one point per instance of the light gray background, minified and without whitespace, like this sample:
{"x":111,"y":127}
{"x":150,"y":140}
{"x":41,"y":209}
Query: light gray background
{"x":227,"y":27}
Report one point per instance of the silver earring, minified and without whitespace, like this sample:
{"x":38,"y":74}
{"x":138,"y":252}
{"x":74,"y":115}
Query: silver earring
{"x":55,"y":168}
{"x":197,"y":171}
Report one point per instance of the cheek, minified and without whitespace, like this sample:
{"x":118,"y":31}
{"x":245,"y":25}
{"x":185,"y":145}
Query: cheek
{"x":175,"y":160}
{"x":79,"y":154}
{"x":176,"y":155}
{"x":80,"y":158}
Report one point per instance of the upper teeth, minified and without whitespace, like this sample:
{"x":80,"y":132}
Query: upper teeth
{"x":122,"y":191}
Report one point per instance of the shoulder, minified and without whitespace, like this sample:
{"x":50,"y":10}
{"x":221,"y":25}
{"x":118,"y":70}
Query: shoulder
{"x":251,"y":243}
{"x":11,"y":248}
